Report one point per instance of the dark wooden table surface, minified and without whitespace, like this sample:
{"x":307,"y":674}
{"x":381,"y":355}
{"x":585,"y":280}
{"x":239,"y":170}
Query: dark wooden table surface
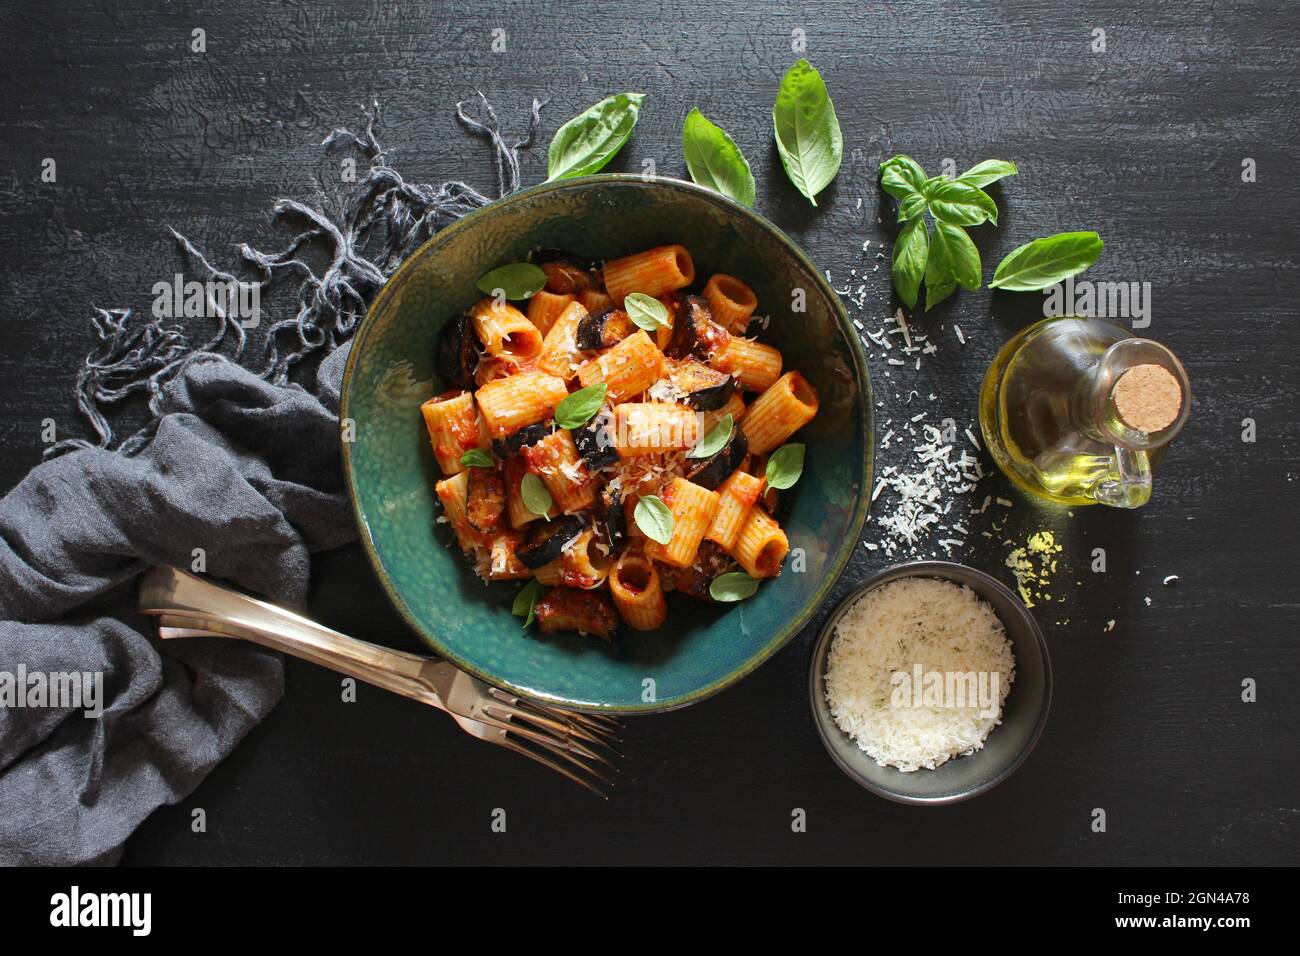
{"x":1144,"y":141}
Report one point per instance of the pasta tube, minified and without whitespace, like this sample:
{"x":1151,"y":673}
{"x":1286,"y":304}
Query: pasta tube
{"x":556,"y":461}
{"x":779,"y":412}
{"x":508,"y":404}
{"x":755,"y":365}
{"x":545,"y":307}
{"x":731,"y":302}
{"x":505,"y":331}
{"x":560,"y":349}
{"x":638,"y":595}
{"x":629,"y":368}
{"x":693,"y":511}
{"x":453,"y":428}
{"x":735,"y":497}
{"x":761,"y":545}
{"x":651,"y":428}
{"x":652,"y":272}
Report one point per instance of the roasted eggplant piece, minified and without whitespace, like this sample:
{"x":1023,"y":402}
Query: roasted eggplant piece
{"x":705,"y":388}
{"x":458,"y":353}
{"x":694,"y":581}
{"x":595,"y":441}
{"x":485,"y":499}
{"x":613,"y":517}
{"x":509,"y":446}
{"x":603,"y":328}
{"x":587,"y":612}
{"x":712,"y":472}
{"x":694,"y":331}
{"x":544,"y":255}
{"x":566,"y":278}
{"x":547,"y":541}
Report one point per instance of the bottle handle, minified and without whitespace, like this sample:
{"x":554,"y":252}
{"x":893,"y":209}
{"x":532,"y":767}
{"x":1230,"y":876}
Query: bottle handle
{"x":1129,"y":484}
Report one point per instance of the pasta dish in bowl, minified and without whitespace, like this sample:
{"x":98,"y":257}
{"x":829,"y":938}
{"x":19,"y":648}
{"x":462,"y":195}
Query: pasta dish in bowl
{"x":638,"y":417}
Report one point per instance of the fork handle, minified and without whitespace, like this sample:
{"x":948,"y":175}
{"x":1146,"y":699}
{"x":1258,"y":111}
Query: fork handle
{"x":186,"y":601}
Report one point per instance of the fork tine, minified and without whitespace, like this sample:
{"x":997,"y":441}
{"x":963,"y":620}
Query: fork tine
{"x":581,"y":765}
{"x":557,"y":726}
{"x":547,"y":762}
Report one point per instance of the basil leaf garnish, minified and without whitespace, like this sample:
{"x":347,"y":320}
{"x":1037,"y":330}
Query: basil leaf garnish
{"x":591,"y":139}
{"x":515,"y":280}
{"x":785,"y":466}
{"x":525,"y":605}
{"x":645,"y":311}
{"x":715,"y":161}
{"x":939,"y":281}
{"x":910,"y":252}
{"x":477,"y":458}
{"x":536,"y":498}
{"x":807,"y":131}
{"x":989,"y":171}
{"x":734,"y":586}
{"x":1044,"y":262}
{"x":714,"y":441}
{"x":654,"y":519}
{"x":911,"y":207}
{"x":576,"y":410}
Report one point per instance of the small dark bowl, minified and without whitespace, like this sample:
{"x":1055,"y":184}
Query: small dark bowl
{"x":1008,"y":744}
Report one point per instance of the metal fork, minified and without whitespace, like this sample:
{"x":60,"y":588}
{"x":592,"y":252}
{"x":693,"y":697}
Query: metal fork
{"x":575,"y":745}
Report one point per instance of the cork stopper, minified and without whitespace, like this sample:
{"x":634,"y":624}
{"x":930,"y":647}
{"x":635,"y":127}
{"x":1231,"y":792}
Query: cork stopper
{"x":1148,"y":398}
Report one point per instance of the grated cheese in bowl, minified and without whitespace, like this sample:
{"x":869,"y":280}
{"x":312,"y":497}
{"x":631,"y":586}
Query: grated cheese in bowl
{"x":918,"y":672}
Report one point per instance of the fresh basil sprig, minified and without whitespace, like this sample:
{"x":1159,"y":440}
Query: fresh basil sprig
{"x":525,"y":604}
{"x":717,"y":437}
{"x":654,"y":519}
{"x":1047,"y":261}
{"x":715,"y":161}
{"x":947,"y":258}
{"x":645,"y":311}
{"x":807,"y":130}
{"x":477,"y":458}
{"x":515,"y":280}
{"x":536,"y":498}
{"x":733,"y":586}
{"x":591,"y":139}
{"x":576,"y":410}
{"x":785,"y":466}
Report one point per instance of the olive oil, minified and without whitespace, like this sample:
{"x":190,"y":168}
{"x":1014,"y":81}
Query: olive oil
{"x":1078,"y":411}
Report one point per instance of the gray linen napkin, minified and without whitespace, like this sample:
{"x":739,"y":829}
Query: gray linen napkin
{"x":236,"y":470}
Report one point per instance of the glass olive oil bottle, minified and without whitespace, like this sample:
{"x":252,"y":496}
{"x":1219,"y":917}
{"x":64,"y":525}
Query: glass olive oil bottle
{"x":1078,"y":410}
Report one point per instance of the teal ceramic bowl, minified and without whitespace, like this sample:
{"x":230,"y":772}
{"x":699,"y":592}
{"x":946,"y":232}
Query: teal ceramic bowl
{"x":391,"y":470}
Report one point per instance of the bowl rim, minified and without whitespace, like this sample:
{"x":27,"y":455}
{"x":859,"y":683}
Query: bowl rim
{"x":821,"y":649}
{"x":839,"y":561}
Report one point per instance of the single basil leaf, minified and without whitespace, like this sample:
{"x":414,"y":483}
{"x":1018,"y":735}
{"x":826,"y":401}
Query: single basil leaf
{"x":591,"y":139}
{"x":911,"y":249}
{"x":911,"y":207}
{"x":901,"y":176}
{"x":718,"y":436}
{"x":525,"y":605}
{"x":939,"y":281}
{"x":654,"y":519}
{"x":962,"y":204}
{"x":576,"y":410}
{"x":960,"y":254}
{"x":735,"y":586}
{"x":715,"y":161}
{"x":516,"y":280}
{"x":785,"y":466}
{"x":536,"y":498}
{"x":477,"y":458}
{"x":645,"y":311}
{"x":989,"y":171}
{"x":807,"y":131}
{"x":1044,"y":262}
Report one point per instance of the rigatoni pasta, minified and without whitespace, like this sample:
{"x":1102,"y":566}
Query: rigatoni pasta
{"x":669,"y":425}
